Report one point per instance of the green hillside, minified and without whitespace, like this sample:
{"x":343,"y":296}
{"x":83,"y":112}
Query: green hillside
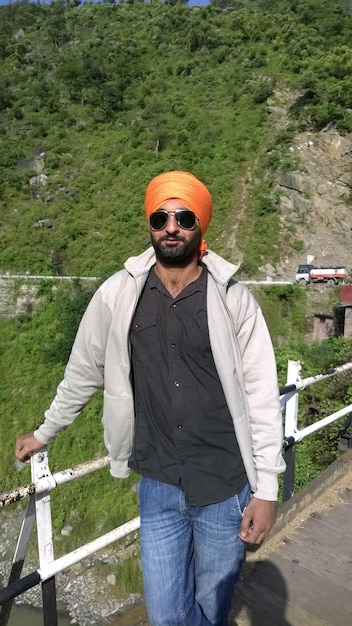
{"x":97,"y":99}
{"x":111,"y":95}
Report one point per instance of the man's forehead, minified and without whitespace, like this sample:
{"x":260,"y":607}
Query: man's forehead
{"x":172,"y":205}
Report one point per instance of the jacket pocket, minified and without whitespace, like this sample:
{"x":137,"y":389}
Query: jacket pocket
{"x":118,"y":422}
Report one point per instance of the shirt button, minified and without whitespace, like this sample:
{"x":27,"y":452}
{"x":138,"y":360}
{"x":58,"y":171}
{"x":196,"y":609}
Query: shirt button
{"x":179,"y":426}
{"x":173,"y":306}
{"x":173,"y":345}
{"x":176,"y":383}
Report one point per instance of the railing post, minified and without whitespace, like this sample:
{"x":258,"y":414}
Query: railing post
{"x":289,"y":476}
{"x":42,"y":475}
{"x":291,"y":412}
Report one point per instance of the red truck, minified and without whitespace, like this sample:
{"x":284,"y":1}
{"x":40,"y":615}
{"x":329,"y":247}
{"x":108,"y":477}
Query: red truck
{"x":310,"y":274}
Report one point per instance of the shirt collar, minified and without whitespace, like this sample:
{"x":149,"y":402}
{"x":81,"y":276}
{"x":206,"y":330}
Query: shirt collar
{"x":199,"y":284}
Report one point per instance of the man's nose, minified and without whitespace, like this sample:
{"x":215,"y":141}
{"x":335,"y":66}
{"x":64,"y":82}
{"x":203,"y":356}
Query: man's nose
{"x":172,"y":225}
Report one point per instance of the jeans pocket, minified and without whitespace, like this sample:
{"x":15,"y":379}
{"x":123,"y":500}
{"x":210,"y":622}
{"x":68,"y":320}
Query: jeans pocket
{"x":242,"y":499}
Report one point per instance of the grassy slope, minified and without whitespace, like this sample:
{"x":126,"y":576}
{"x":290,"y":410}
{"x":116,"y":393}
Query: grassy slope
{"x":191,"y":83}
{"x":119,"y":93}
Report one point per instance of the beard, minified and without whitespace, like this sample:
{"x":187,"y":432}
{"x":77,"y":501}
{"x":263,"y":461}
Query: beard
{"x":176,"y":256}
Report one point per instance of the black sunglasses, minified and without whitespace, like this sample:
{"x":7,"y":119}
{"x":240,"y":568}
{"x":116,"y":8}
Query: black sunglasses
{"x":184,"y":218}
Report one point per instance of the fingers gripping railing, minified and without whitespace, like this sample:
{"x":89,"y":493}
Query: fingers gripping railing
{"x":39,"y":510}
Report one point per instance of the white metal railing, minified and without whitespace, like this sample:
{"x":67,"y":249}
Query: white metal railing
{"x":39,"y":510}
{"x":8,"y":275}
{"x":28,"y":276}
{"x":43,"y":481}
{"x":289,"y":400}
{"x":289,"y":404}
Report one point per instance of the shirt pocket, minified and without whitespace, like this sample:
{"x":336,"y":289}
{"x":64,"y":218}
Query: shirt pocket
{"x":198,"y":343}
{"x":144,"y":338}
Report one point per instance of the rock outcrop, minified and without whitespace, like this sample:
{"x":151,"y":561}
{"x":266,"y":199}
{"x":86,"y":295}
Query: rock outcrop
{"x":315,"y":199}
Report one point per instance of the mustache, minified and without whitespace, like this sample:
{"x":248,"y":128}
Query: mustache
{"x":172,"y":237}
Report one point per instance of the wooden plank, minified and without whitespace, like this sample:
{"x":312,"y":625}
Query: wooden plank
{"x":299,"y":590}
{"x":256,"y":605}
{"x":330,"y":523}
{"x":336,"y":567}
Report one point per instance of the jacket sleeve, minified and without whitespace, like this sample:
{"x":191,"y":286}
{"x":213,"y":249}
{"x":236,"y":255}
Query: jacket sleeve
{"x":261,"y":391}
{"x":84,"y":371}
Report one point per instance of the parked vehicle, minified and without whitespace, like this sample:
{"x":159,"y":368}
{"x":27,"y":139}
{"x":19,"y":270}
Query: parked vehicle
{"x":310,"y":274}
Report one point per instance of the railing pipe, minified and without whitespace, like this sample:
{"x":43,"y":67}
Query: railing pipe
{"x":308,"y":430}
{"x":60,"y":478}
{"x":49,"y":570}
{"x":310,"y":380}
{"x":67,"y":560}
{"x":42,"y":277}
{"x":18,"y":587}
{"x":16,"y":494}
{"x":82,"y":469}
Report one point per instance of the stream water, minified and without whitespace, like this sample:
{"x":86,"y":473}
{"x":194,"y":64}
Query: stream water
{"x":29,"y":616}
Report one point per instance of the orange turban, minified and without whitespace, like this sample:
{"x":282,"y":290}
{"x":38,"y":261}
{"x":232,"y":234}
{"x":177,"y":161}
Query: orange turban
{"x":184,"y":187}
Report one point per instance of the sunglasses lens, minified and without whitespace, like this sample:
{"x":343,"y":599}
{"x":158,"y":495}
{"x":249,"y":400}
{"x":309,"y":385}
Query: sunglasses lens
{"x":158,"y":220}
{"x":185,"y":219}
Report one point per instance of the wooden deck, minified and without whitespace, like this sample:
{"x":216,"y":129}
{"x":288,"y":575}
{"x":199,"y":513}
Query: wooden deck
{"x":302,"y":574}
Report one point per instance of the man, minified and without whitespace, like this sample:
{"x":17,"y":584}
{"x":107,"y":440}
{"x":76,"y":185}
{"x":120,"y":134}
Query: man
{"x":190,"y":402}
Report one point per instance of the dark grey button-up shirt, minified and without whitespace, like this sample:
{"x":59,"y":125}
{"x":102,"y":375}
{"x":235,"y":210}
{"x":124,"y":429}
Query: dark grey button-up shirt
{"x":184,"y":432}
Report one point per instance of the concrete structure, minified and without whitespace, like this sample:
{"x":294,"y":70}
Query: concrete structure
{"x":345,"y":308}
{"x":324,"y":326}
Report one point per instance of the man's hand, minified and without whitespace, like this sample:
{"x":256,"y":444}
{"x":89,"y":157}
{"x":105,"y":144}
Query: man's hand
{"x":258,"y":519}
{"x":25,"y":445}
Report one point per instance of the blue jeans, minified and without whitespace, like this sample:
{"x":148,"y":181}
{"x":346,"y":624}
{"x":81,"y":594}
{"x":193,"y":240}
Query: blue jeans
{"x":191,"y":555}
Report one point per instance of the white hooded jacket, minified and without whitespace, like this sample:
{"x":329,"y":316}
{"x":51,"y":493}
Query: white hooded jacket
{"x":242,"y":352}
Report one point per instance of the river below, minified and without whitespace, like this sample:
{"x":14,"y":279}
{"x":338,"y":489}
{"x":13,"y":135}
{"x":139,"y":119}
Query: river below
{"x":30,"y":616}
